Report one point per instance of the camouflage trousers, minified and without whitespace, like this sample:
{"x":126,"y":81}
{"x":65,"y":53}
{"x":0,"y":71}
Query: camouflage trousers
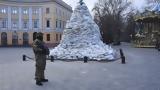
{"x":40,"y":67}
{"x":39,"y":74}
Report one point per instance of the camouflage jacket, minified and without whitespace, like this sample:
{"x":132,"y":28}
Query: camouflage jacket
{"x":38,"y":47}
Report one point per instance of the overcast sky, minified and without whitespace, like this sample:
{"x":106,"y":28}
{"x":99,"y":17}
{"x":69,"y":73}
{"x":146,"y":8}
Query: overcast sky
{"x":90,"y":3}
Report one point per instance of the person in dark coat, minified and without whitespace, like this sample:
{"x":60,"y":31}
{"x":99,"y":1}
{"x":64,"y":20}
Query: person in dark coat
{"x":40,"y":51}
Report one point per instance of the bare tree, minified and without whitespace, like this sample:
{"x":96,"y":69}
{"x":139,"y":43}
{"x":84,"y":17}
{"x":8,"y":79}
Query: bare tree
{"x":153,"y":1}
{"x":151,"y":4}
{"x":109,"y":16}
{"x":130,"y":26}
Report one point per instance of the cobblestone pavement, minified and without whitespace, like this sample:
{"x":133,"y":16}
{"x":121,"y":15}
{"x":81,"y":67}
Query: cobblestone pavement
{"x":141,"y":72}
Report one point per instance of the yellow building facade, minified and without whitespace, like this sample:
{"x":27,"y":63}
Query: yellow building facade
{"x":20,"y":20}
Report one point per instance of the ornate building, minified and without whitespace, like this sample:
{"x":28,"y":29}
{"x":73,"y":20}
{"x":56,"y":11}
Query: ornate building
{"x":148,"y":27}
{"x":20,"y":20}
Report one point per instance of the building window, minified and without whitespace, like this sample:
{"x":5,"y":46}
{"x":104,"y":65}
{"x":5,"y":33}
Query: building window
{"x":14,"y":23}
{"x":4,"y":23}
{"x":60,"y":24}
{"x":25,"y":11}
{"x":14,"y":38}
{"x":14,"y":11}
{"x":35,"y":23}
{"x":56,"y":23}
{"x":60,"y":36}
{"x":3,"y":38}
{"x":35,"y":11}
{"x":47,"y":11}
{"x":25,"y":24}
{"x":25,"y":38}
{"x":48,"y":37}
{"x":48,"y":23}
{"x":3,"y":10}
{"x":56,"y":37}
{"x":63,"y":24}
{"x":34,"y":35}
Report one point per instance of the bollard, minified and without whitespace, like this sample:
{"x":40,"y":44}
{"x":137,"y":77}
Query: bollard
{"x":24,"y":57}
{"x":85,"y":59}
{"x":122,"y":56}
{"x":77,"y":57}
{"x":52,"y":58}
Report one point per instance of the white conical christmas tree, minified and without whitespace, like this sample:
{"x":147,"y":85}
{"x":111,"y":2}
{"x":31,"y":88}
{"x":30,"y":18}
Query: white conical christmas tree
{"x":82,"y":38}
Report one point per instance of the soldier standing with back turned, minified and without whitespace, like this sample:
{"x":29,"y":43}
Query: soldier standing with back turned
{"x":40,"y":51}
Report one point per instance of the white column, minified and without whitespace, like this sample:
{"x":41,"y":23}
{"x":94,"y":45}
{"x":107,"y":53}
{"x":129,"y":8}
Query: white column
{"x":40,"y":18}
{"x":9,"y":17}
{"x":30,"y":18}
{"x":20,"y":18}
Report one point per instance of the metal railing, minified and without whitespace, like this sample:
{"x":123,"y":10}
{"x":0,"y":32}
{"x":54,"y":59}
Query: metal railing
{"x":85,"y":59}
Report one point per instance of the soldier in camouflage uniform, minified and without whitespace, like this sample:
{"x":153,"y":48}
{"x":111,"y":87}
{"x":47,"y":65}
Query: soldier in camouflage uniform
{"x":40,"y":51}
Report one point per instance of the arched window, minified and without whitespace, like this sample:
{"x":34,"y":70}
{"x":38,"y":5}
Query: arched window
{"x":3,"y":38}
{"x":34,"y":35}
{"x":14,"y":38}
{"x":25,"y":38}
{"x":48,"y":37}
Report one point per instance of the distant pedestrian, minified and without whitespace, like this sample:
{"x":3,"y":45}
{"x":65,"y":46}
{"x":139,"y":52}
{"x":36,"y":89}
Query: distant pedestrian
{"x":40,"y":51}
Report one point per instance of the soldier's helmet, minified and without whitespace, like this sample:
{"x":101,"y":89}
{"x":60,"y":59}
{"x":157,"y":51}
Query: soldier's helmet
{"x":39,"y":36}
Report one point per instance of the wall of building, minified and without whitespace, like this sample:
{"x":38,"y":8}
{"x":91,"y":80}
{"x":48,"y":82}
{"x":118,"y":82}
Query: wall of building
{"x":17,"y":14}
{"x":53,"y":37}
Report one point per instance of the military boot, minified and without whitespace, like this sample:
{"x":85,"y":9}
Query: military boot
{"x":38,"y":83}
{"x":44,"y":80}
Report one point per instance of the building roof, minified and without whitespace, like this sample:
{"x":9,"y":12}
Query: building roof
{"x":27,"y":1}
{"x":60,"y":2}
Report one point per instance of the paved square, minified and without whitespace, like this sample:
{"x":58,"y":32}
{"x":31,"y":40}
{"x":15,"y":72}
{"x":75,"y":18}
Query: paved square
{"x":142,"y":72}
